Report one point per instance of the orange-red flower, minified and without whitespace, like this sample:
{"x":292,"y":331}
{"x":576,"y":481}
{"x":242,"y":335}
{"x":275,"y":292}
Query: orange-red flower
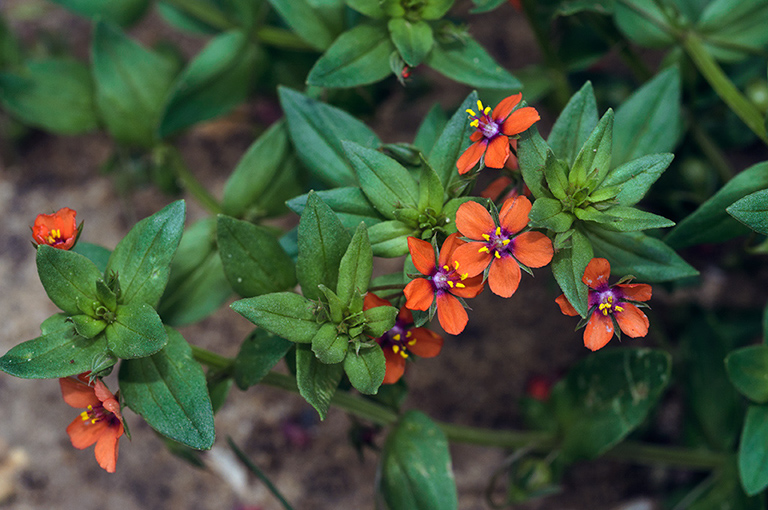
{"x":500,"y":245}
{"x":58,"y":229}
{"x":493,"y":129}
{"x":443,"y":283}
{"x":403,"y":340}
{"x":609,"y":306}
{"x":100,"y":423}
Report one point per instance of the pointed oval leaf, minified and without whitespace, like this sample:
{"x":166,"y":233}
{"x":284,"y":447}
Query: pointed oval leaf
{"x":568,"y":265}
{"x":452,"y":142}
{"x":67,"y":277}
{"x":635,"y":177}
{"x":413,"y":40}
{"x":315,"y":25}
{"x":366,"y":368}
{"x":350,"y":205}
{"x":752,"y":211}
{"x":317,"y":381}
{"x":356,"y":267}
{"x":285,"y":314}
{"x":574,"y":125}
{"x":468,"y":62}
{"x":259,"y":353}
{"x":753,"y":450}
{"x":594,"y":159}
{"x":122,"y":12}
{"x":329,"y":346}
{"x":748,"y":371}
{"x":136,"y":333}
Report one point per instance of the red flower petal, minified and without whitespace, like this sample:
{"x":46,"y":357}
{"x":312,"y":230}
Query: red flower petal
{"x":428,"y":343}
{"x":62,"y":221}
{"x":471,"y":156}
{"x":107,"y":447}
{"x":494,"y":189}
{"x":395,"y":367}
{"x":533,"y":249}
{"x":597,"y":272}
{"x":505,"y":107}
{"x":497,"y":153}
{"x":476,"y":136}
{"x":405,"y":315}
{"x":471,"y":260}
{"x":446,"y":250}
{"x":632,"y":321}
{"x":372,"y":301}
{"x":520,"y":120}
{"x":423,"y":255}
{"x":419,"y":294}
{"x":514,"y":214}
{"x":598,"y":332}
{"x":504,"y":276}
{"x":78,"y":394}
{"x":565,"y":306}
{"x":473,"y":220}
{"x":452,"y":316}
{"x":83,"y":434}
{"x":636,"y":291}
{"x":472,"y":287}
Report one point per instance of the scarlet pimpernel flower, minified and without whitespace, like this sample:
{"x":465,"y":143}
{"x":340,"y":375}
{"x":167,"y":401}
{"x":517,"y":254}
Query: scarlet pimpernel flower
{"x":403,"y":340}
{"x":58,"y":229}
{"x":100,"y":423}
{"x":610,"y":306}
{"x":500,"y":245}
{"x":444,"y":281}
{"x":493,"y":129}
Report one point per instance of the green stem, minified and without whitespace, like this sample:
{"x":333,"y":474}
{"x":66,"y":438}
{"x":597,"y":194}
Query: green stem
{"x":191,"y":184}
{"x":259,"y":473}
{"x":536,"y":440}
{"x":723,"y":86}
{"x":559,"y":74}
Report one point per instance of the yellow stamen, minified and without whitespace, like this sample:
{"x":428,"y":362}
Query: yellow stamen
{"x":397,"y":337}
{"x":605,"y":312}
{"x":480,"y":105}
{"x":609,"y":299}
{"x":496,"y":254}
{"x":464,"y":276}
{"x":487,"y":110}
{"x":505,"y":242}
{"x":412,"y":342}
{"x":471,"y":112}
{"x":486,"y":237}
{"x":84,"y":416}
{"x":498,"y":231}
{"x":408,"y":334}
{"x":395,"y":349}
{"x":460,"y":285}
{"x":456,"y":264}
{"x":619,"y":309}
{"x":483,"y":249}
{"x":404,"y":354}
{"x":450,"y":283}
{"x":446,"y":267}
{"x":475,"y":123}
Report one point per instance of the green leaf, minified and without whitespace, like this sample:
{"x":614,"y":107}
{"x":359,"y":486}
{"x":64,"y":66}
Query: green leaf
{"x":647,"y":258}
{"x":169,"y":391}
{"x":642,"y":22}
{"x":635,"y":177}
{"x":253,"y":260}
{"x":214,"y":82}
{"x":650,"y":120}
{"x":435,"y":9}
{"x":629,"y":219}
{"x":379,"y":320}
{"x":431,"y":192}
{"x":753,"y":450}
{"x":386,"y":183}
{"x":594,"y":159}
{"x":415,"y":466}
{"x":467,"y":62}
{"x":568,"y":267}
{"x":710,"y":223}
{"x":748,"y":371}
{"x":317,"y":381}
{"x":86,"y":326}
{"x":323,"y":240}
{"x":55,"y":95}
{"x":548,"y":213}
{"x":413,"y":40}
{"x":729,"y":25}
{"x":317,"y":130}
{"x":330,"y":346}
{"x":556,"y":174}
{"x":752,"y":211}
{"x":142,"y":259}
{"x":58,"y":352}
{"x":259,"y":353}
{"x":137,"y":331}
{"x":371,"y":8}
{"x":356,"y":267}
{"x":350,"y":205}
{"x":316,"y":26}
{"x":532,"y":157}
{"x":285,"y":314}
{"x":453,"y":141}
{"x":390,"y":238}
{"x":122,"y":12}
{"x":93,"y":252}
{"x":574,"y":125}
{"x":366,"y":368}
{"x":131,"y":85}
{"x":357,"y":57}
{"x":431,"y":127}
{"x":606,"y":396}
{"x":67,"y":277}
{"x":197,"y":284}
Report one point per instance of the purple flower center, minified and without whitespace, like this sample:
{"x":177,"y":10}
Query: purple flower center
{"x":446,"y":278}
{"x":498,"y":243}
{"x":607,"y":300}
{"x":398,"y":338}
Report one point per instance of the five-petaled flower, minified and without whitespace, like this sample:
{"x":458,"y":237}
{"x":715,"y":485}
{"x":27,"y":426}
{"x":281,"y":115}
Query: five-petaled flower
{"x":100,"y":423}
{"x":403,"y":340}
{"x":493,"y":130}
{"x":501,"y":245}
{"x":443,"y":283}
{"x":609,"y":305}
{"x":58,"y":229}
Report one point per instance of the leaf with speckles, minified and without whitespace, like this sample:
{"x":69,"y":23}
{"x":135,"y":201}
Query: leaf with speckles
{"x":606,"y":396}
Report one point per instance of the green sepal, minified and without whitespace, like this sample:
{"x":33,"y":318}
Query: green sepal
{"x":259,"y":353}
{"x":86,"y":326}
{"x":379,"y":320}
{"x":58,"y":352}
{"x":357,"y":57}
{"x":285,"y":314}
{"x":336,"y":307}
{"x":413,"y":39}
{"x":323,"y":241}
{"x":67,"y":277}
{"x":365,"y":368}
{"x":252,"y":258}
{"x":105,"y":295}
{"x":556,"y":175}
{"x":452,"y":142}
{"x":574,"y":125}
{"x":390,"y":238}
{"x":356,"y":267}
{"x":169,"y":391}
{"x":136,"y":332}
{"x":330,"y":346}
{"x":317,"y":381}
{"x":748,"y":371}
{"x":415,"y":466}
{"x":142,"y":259}
{"x":594,"y":159}
{"x":409,"y":216}
{"x":386,"y":183}
{"x":568,"y":267}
